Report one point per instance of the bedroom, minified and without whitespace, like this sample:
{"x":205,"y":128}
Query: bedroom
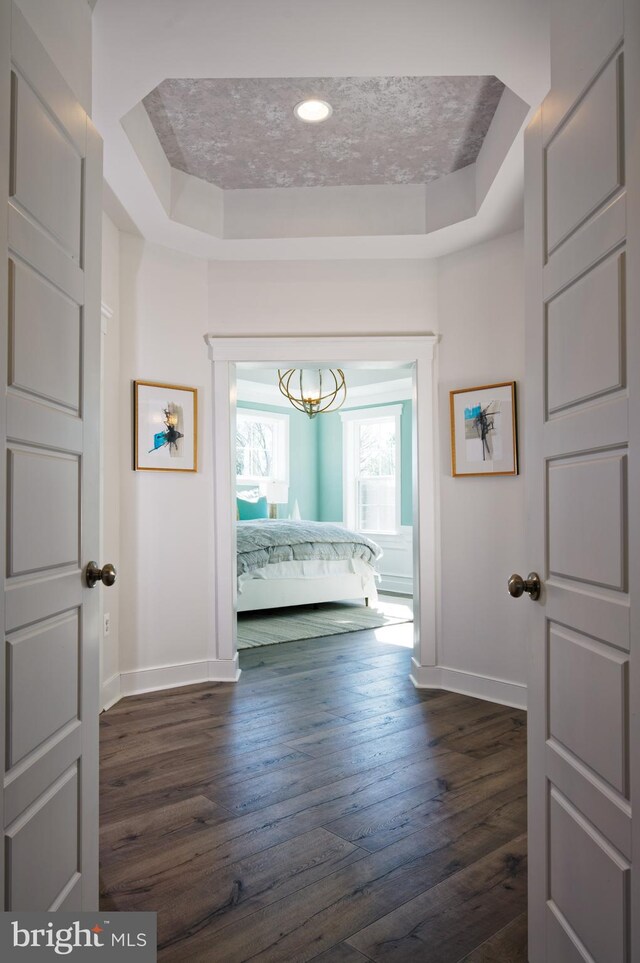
{"x":292,"y":466}
{"x":328,"y":796}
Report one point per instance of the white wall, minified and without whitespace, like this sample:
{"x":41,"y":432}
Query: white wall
{"x":473,"y":298}
{"x":327,"y":211}
{"x":64,"y":30}
{"x":481,"y":317}
{"x":168,"y":301}
{"x":111,"y":468}
{"x":166,"y":565}
{"x":322,"y":297}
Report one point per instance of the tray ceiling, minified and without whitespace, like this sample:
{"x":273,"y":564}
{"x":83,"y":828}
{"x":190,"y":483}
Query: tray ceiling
{"x":242,"y":133}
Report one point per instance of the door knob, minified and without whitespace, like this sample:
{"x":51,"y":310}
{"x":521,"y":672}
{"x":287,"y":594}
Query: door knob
{"x":107,"y":574}
{"x":518,"y":586}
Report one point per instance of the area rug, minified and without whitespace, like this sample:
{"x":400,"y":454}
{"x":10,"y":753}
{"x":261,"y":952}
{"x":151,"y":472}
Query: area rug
{"x":305,"y":622}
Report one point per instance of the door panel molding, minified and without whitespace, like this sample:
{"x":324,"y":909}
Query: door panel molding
{"x":45,"y":338}
{"x":583,"y":434}
{"x":51,"y":231}
{"x":30,"y":58}
{"x":598,"y":427}
{"x":581,"y":672}
{"x":41,"y":537}
{"x":30,"y":778}
{"x":599,"y":803}
{"x":42,"y":154}
{"x":591,"y":243}
{"x":43,"y":660}
{"x":588,"y":137}
{"x":44,"y":256}
{"x":605,"y":618}
{"x":584,"y":334}
{"x":28,"y":844}
{"x":601,"y":26}
{"x":588,"y":881}
{"x":5,"y":154}
{"x":587,"y":519}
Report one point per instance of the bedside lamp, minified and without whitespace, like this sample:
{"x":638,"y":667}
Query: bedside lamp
{"x":277,"y":493}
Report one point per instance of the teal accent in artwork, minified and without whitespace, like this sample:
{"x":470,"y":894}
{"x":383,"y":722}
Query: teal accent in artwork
{"x":470,"y":414}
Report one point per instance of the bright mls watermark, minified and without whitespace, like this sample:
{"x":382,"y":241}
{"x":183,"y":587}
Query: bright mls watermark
{"x":115,"y":936}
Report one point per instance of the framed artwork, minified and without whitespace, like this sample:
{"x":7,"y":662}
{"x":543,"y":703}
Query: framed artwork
{"x":483,"y":430}
{"x":165,"y":427}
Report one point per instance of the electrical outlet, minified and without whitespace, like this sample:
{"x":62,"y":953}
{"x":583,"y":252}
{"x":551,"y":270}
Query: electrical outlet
{"x":107,"y":623}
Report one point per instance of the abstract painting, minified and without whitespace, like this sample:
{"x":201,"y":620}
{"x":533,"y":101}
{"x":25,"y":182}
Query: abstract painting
{"x":483,"y":430}
{"x":165,"y":427}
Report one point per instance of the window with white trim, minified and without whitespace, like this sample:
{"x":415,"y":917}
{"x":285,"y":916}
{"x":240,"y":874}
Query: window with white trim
{"x":371,"y":469}
{"x":262,"y":447}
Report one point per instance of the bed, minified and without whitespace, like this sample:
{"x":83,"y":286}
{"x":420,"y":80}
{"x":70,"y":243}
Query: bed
{"x":282,"y":563}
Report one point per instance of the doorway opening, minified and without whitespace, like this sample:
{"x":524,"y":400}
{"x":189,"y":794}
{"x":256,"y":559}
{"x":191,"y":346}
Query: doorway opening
{"x":414,"y":356}
{"x":324,"y":505}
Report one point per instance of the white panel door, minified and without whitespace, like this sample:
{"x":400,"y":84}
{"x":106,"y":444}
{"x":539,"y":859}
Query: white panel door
{"x":582,"y":224}
{"x":51,"y":168}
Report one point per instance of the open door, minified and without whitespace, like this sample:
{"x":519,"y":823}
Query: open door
{"x":583,"y":426}
{"x":50,"y":224}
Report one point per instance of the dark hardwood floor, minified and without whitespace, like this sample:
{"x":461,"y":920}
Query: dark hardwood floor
{"x":322,"y":808}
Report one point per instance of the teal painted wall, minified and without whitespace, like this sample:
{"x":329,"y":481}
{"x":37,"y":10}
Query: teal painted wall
{"x":315,"y":463}
{"x":303,"y":461}
{"x":406,"y":464}
{"x":330,"y":465}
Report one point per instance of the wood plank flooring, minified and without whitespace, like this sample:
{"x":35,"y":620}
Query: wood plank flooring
{"x":321,"y":809}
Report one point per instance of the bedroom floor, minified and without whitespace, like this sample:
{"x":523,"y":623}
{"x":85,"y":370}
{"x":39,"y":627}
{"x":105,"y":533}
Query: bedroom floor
{"x":274,"y":626}
{"x":322,"y":808}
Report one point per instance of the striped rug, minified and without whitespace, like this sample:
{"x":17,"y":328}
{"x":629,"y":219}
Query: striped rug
{"x":307,"y":622}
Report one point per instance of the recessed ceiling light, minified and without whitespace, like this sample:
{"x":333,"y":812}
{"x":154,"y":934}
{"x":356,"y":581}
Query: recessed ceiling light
{"x":313,"y":111}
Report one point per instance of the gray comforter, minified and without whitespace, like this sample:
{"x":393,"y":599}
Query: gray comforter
{"x":268,"y":540}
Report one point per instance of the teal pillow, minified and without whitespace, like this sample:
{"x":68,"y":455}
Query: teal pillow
{"x":248,"y":509}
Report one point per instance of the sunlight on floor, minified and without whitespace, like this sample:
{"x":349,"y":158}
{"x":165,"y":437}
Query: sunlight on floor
{"x":399,"y":608}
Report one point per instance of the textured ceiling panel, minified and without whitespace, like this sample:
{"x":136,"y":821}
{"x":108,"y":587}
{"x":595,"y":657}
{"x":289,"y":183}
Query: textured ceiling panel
{"x":242,"y":133}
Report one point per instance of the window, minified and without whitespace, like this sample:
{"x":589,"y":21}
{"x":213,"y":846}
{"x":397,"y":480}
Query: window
{"x":262,"y":447}
{"x":372,"y":469}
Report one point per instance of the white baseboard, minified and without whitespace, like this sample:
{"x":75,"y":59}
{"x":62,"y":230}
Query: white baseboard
{"x":469,"y":683}
{"x":111,"y":691}
{"x":137,"y":681}
{"x":398,"y":584}
{"x":224,"y":670}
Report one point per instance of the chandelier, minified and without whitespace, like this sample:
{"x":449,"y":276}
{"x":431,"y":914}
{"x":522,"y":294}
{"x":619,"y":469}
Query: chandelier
{"x":308,"y":391}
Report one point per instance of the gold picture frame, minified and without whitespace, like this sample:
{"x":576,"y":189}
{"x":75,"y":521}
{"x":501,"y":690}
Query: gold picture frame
{"x":483,"y":430}
{"x":165,"y":427}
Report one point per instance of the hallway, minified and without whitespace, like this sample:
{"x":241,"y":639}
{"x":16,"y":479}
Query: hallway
{"x":323,"y":808}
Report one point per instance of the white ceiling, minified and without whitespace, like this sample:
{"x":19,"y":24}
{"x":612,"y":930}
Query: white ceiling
{"x":139,"y":43}
{"x":353,"y":376}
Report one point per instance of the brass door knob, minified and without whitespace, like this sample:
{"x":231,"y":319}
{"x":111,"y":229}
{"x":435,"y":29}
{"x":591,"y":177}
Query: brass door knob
{"x":107,"y":574}
{"x":518,"y":586}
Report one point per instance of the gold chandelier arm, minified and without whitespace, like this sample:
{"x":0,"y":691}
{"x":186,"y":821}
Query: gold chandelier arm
{"x":314,"y":405}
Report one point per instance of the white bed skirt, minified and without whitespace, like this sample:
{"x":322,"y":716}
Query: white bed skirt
{"x":306,"y":583}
